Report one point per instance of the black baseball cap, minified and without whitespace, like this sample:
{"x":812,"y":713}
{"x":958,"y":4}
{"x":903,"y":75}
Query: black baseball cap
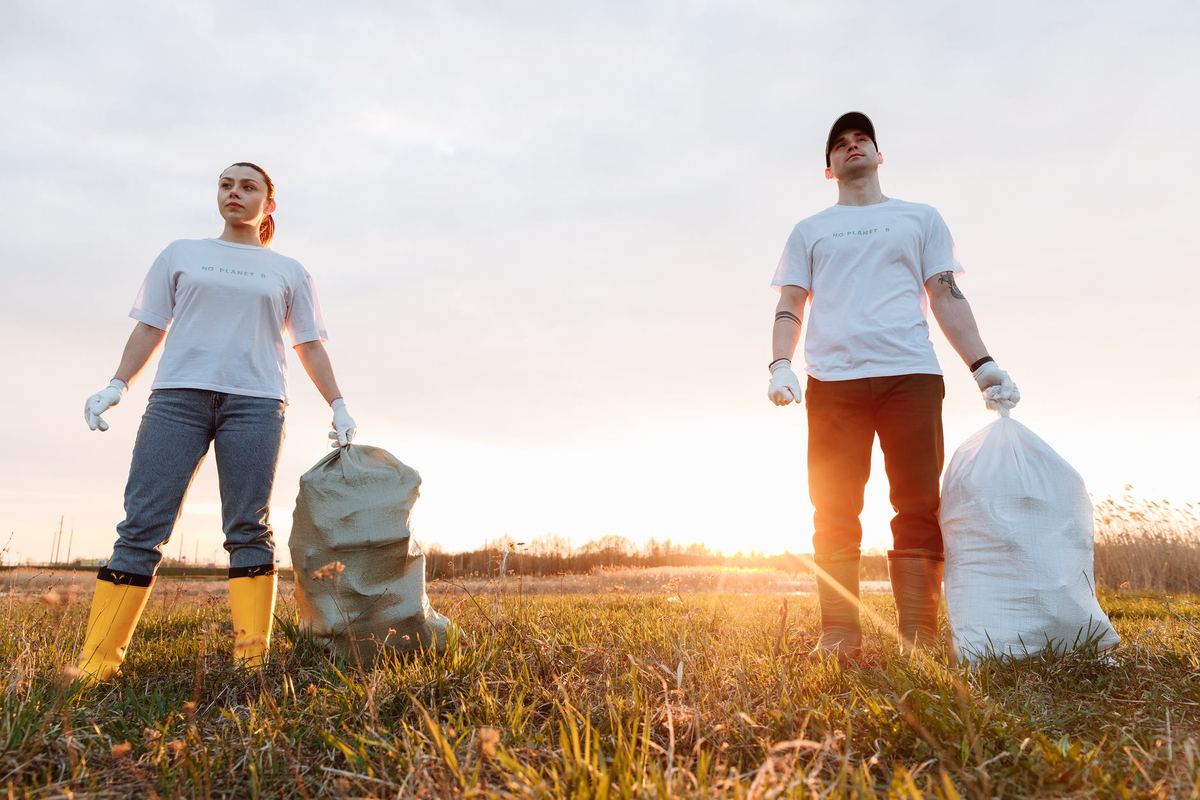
{"x":851,"y":120}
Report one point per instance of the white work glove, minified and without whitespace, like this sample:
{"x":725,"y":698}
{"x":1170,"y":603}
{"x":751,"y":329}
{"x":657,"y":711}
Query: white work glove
{"x":102,"y":401}
{"x":998,"y":389}
{"x":785,"y":386}
{"x":343,"y":424}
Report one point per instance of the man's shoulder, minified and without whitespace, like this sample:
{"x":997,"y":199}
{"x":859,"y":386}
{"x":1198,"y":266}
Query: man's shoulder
{"x":818,"y":217}
{"x":907,"y":206}
{"x":812,"y":226}
{"x":836,"y":214}
{"x":892,"y":204}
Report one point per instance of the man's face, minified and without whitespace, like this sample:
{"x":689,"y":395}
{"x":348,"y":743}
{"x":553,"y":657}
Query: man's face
{"x":853,"y":155}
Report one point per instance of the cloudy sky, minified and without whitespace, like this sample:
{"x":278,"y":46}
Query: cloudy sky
{"x":543,"y":234}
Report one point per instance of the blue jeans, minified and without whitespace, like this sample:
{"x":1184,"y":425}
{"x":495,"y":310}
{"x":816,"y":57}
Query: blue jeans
{"x":176,"y":430}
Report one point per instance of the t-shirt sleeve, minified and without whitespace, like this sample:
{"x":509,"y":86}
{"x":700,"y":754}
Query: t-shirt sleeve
{"x":155,"y":301}
{"x":937,"y":251}
{"x":304,"y":322}
{"x":795,"y":267}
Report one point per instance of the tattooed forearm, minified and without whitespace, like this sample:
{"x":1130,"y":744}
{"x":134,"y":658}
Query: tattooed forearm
{"x":948,"y":279}
{"x":788,"y":316}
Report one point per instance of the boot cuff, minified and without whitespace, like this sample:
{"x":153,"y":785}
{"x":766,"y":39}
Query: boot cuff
{"x":124,"y":578}
{"x":252,"y":572}
{"x":838,"y":558}
{"x":923,"y":555}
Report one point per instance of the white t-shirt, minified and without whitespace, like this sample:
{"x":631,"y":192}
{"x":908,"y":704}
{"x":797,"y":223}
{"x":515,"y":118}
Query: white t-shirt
{"x":225,"y":307}
{"x":865,"y":269}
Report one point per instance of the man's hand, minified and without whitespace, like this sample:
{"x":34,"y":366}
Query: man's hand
{"x":785,"y":386}
{"x":998,"y":389}
{"x":102,"y":401}
{"x":343,"y":424}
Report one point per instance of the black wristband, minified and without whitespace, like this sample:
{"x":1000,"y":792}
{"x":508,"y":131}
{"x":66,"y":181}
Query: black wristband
{"x":771,"y":366}
{"x":981,"y":362}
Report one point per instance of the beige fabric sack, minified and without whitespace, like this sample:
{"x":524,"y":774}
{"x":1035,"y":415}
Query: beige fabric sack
{"x":353,"y":510}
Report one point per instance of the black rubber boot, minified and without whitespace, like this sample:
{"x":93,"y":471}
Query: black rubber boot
{"x":837,"y":589}
{"x":917,"y":586}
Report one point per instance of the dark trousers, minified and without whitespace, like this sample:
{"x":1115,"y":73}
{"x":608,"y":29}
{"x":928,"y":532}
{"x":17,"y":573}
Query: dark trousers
{"x":843,"y":418}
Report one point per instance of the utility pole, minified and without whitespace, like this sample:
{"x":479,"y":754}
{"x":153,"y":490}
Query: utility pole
{"x":58,"y":541}
{"x":70,"y":541}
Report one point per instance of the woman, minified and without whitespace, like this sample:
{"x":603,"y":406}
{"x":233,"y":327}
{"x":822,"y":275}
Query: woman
{"x":222,"y":379}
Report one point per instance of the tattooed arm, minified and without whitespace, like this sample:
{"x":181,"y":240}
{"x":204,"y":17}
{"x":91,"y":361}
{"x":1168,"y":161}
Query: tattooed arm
{"x":953,"y":314}
{"x":785,"y":334}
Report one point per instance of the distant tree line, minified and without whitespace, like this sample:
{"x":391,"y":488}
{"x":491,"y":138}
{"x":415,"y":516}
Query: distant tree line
{"x":553,"y":554}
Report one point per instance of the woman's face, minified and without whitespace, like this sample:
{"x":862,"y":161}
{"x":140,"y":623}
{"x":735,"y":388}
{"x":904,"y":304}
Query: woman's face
{"x":242,"y":196}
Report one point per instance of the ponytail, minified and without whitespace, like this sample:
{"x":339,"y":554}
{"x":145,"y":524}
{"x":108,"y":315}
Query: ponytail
{"x":266,"y":228}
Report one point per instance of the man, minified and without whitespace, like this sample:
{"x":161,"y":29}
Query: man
{"x":867,"y":265}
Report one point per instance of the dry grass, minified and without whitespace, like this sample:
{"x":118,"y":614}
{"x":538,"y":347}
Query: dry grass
{"x":667,"y":693}
{"x":670,"y":581}
{"x":76,"y":586}
{"x":618,"y":580}
{"x":1147,"y":545}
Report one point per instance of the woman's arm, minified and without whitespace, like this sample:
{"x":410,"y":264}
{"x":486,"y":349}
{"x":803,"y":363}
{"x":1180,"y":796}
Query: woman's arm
{"x":143,"y":341}
{"x":316,"y":363}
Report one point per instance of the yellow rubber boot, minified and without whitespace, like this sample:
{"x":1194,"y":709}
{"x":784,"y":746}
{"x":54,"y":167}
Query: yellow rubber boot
{"x":116,"y":608}
{"x":252,"y":600}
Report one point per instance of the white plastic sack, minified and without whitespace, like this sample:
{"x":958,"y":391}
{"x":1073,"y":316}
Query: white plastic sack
{"x":1018,"y":528}
{"x":353,"y":510}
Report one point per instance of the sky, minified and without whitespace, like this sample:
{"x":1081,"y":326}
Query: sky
{"x":543,"y":235}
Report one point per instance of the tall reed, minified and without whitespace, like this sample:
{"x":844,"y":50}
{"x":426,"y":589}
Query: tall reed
{"x":1147,"y":545}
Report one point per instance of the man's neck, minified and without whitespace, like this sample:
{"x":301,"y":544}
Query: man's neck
{"x":862,"y":191}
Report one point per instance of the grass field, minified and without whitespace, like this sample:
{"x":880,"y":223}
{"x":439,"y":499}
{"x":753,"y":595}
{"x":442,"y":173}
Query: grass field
{"x":665,"y":686}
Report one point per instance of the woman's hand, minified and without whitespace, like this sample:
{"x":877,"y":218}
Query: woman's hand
{"x":143,"y":341}
{"x":343,"y":425}
{"x":316,"y":363}
{"x":102,"y":401}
